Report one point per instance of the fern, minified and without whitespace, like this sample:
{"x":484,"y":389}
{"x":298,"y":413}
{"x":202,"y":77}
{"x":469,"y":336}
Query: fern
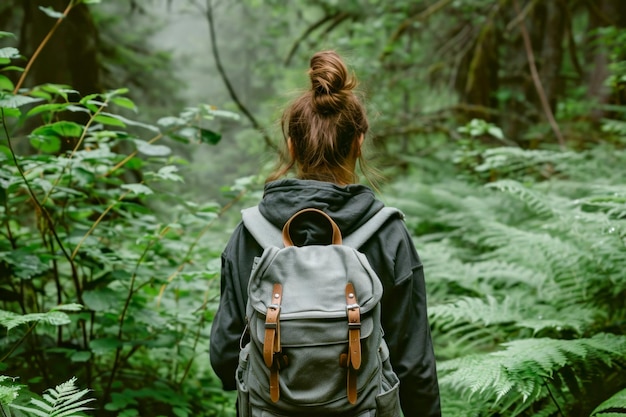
{"x":524,"y":364}
{"x":66,"y":400}
{"x":55,"y":316}
{"x":526,"y":281}
{"x":615,"y":405}
{"x":9,"y":392}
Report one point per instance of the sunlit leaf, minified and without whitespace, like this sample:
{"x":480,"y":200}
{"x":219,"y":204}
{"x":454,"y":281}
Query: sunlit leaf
{"x":9,"y":52}
{"x":6,"y":83}
{"x":108,"y":120}
{"x":124,"y":102}
{"x":14,"y":101}
{"x":63,"y":128}
{"x":46,"y":144}
{"x":138,"y":189}
{"x":49,"y":11}
{"x":131,"y":122}
{"x":150,"y":149}
{"x":48,"y":107}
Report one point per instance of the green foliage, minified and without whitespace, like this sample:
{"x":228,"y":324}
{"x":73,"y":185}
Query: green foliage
{"x":66,"y":400}
{"x":124,"y":292}
{"x":525,"y":276}
{"x":614,"y":406}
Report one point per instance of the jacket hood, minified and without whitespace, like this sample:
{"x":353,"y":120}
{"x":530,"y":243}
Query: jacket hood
{"x":349,"y":206}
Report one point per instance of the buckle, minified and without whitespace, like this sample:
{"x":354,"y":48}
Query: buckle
{"x":354,"y":326}
{"x":352,"y":306}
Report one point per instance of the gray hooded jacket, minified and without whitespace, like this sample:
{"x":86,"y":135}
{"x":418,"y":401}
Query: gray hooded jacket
{"x":391,"y":254}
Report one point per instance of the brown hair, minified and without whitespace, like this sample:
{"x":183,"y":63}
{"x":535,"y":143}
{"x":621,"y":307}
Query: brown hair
{"x":324,"y":125}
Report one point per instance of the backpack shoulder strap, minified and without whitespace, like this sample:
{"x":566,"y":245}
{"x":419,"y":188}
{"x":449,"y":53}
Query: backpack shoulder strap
{"x":357,"y":238}
{"x":264,"y":232}
{"x":267,"y":235}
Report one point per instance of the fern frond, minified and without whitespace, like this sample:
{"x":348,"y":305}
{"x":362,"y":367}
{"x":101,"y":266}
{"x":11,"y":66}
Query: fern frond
{"x":508,"y":159}
{"x":65,"y":400}
{"x":523,"y":364}
{"x":9,"y":392}
{"x":54,"y":317}
{"x":538,"y":203}
{"x":615,"y":403}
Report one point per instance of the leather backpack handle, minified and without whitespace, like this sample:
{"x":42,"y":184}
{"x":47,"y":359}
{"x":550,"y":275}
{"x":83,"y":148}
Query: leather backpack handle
{"x":336,"y":232}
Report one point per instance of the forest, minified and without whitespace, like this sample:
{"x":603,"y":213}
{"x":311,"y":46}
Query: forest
{"x":132,"y":133}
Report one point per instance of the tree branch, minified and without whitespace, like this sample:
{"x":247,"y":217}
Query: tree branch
{"x":308,"y":31}
{"x":227,"y":83}
{"x":404,"y":26}
{"x":537,"y":81}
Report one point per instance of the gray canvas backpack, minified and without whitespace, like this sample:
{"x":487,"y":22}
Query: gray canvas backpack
{"x":313,"y":314}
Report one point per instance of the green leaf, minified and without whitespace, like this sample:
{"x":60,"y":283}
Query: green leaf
{"x":49,"y":11}
{"x":67,"y":307}
{"x":6,"y":84}
{"x":108,"y":120}
{"x":63,"y":128}
{"x":15,"y":101}
{"x":132,"y":122}
{"x":5,"y":153}
{"x":8,"y":394}
{"x":150,"y":149}
{"x":614,"y":403}
{"x":6,"y":112}
{"x":209,"y":136}
{"x":104,"y":345}
{"x":138,"y":189}
{"x":9,"y":52}
{"x":80,"y":356}
{"x":170,"y":121}
{"x":46,"y":144}
{"x":124,"y":102}
{"x":50,"y":107}
{"x":6,"y":35}
{"x":12,"y":68}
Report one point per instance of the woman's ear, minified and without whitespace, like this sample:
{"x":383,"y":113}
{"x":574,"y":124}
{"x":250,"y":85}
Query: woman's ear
{"x":361,"y":139}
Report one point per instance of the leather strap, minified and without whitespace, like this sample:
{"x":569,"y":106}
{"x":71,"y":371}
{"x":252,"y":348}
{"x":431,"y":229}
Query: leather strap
{"x":354,"y":327}
{"x":272,"y":326}
{"x":271,"y":345}
{"x":353,"y":359}
{"x":286,"y":232}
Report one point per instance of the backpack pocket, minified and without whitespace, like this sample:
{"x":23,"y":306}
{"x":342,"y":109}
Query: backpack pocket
{"x":388,"y":400}
{"x":243,"y":393}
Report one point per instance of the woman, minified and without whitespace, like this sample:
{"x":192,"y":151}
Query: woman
{"x":324,"y":129}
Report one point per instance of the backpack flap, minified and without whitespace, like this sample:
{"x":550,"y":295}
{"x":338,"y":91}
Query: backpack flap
{"x":308,"y":271}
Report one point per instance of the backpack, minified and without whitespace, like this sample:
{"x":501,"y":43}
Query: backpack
{"x":313,"y":316}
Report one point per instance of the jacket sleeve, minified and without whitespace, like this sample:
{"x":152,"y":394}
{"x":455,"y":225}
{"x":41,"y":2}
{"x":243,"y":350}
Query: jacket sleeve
{"x":407,"y":330}
{"x":229,"y":321}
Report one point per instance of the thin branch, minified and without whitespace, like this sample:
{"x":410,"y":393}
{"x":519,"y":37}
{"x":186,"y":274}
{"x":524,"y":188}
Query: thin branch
{"x":96,"y":223}
{"x":404,"y":26}
{"x":195,"y":242}
{"x":308,"y":32}
{"x":545,"y":383}
{"x":130,"y":156}
{"x":537,"y":81}
{"x":43,"y":211}
{"x":571,"y":42}
{"x":41,"y":46}
{"x":521,"y":16}
{"x":227,"y":83}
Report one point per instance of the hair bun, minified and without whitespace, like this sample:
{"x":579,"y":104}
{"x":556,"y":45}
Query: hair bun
{"x":330,"y":82}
